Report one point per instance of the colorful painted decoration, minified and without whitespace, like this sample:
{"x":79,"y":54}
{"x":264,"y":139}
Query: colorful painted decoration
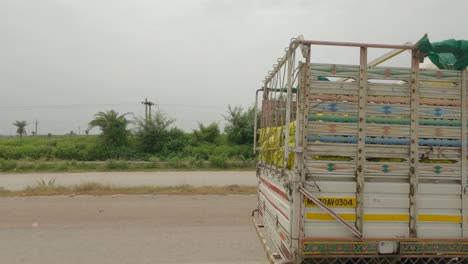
{"x":312,"y":248}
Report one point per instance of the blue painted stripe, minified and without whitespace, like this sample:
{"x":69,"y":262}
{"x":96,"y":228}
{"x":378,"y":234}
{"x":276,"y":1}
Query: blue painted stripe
{"x":385,"y":141}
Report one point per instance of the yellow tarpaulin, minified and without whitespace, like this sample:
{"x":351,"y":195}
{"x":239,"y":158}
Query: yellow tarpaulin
{"x":271,"y":142}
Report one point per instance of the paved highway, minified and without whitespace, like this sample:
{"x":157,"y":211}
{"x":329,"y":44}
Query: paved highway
{"x":129,"y":229}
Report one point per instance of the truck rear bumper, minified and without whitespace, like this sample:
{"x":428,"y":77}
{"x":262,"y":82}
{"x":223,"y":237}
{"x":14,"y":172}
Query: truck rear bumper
{"x":386,"y":246}
{"x":411,"y":251}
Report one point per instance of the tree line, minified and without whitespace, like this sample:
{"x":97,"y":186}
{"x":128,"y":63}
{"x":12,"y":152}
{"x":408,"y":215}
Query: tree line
{"x":153,"y":138}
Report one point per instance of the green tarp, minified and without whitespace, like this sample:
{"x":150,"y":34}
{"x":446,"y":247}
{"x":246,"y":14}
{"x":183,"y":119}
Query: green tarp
{"x":449,"y":54}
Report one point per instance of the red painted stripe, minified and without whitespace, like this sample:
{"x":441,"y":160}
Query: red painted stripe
{"x":276,"y":207}
{"x":275,"y":189}
{"x":282,"y":236}
{"x":285,"y":251}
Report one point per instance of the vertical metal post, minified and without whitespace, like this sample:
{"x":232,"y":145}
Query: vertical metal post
{"x":463,"y":152}
{"x":298,"y":140}
{"x":361,"y":156}
{"x":414,"y":142}
{"x":289,"y":82}
{"x":255,"y":121}
{"x":297,"y":219}
{"x":288,"y":106}
{"x":305,"y":112}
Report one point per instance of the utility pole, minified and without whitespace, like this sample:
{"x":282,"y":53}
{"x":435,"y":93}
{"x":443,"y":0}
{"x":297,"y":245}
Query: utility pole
{"x":36,"y":123}
{"x":149,"y":112}
{"x":148,"y":105}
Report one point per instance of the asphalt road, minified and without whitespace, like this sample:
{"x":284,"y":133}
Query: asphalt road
{"x":129,"y":229}
{"x":166,"y":178}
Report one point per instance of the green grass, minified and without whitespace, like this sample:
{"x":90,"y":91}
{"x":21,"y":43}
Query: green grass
{"x":43,"y":188}
{"x":25,"y":166}
{"x":78,"y":153}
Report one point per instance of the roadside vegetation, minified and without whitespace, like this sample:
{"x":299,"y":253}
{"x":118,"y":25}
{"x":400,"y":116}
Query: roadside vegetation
{"x":43,"y":188}
{"x":153,"y":144}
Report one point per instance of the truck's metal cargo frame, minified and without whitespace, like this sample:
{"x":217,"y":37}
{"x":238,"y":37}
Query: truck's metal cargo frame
{"x":363,"y":163}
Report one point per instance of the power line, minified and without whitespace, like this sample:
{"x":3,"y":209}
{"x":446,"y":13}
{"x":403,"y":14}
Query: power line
{"x":53,"y":107}
{"x":59,"y":106}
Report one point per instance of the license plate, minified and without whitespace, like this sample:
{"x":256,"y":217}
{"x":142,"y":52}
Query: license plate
{"x":333,"y":202}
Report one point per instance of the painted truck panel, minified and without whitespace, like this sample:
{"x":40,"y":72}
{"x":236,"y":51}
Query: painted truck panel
{"x":363,"y":161}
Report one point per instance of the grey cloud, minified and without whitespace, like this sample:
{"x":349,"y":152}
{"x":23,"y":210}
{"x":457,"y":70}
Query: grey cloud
{"x":192,"y":57}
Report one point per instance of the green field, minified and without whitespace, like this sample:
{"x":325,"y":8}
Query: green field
{"x":86,"y":153}
{"x":153,"y":144}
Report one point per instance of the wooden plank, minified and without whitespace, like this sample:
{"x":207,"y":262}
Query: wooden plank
{"x":387,"y":169}
{"x":382,"y":120}
{"x":441,"y":93}
{"x":464,"y":152}
{"x":333,"y":128}
{"x":438,"y":75}
{"x":379,"y":130}
{"x":303,"y":135}
{"x":380,"y":151}
{"x":385,"y":110}
{"x":448,"y":112}
{"x":402,"y":141}
{"x":441,"y":153}
{"x":362,"y":126}
{"x":389,"y":73}
{"x":388,"y":110}
{"x":414,"y":145}
{"x":331,"y":149}
{"x":440,"y":170}
{"x":386,"y":89}
{"x":441,"y":85}
{"x":383,"y":89}
{"x":324,"y":87}
{"x":333,"y":70}
{"x":330,"y":168}
{"x":439,"y":132}
{"x":384,"y":99}
{"x":387,"y":151}
{"x":333,"y":108}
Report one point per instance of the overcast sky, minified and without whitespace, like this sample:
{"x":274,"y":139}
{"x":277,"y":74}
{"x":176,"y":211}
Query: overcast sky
{"x":61,"y":61}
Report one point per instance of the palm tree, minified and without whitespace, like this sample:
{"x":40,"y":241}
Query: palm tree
{"x":113,"y":127}
{"x":21,"y":127}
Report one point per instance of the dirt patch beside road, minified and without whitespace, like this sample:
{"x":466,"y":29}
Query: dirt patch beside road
{"x":131,"y":179}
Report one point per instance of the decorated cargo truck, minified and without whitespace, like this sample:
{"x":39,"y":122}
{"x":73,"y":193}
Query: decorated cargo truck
{"x":364,"y":163}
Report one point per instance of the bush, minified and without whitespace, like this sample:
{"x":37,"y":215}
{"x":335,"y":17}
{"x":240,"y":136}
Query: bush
{"x":165,"y":147}
{"x":7,"y":165}
{"x":68,"y":150}
{"x":117,"y":165}
{"x":218,"y":162}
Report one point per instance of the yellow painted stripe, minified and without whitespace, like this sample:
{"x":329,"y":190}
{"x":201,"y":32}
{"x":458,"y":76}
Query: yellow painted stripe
{"x":386,"y":217}
{"x":440,"y":218}
{"x":327,"y":217}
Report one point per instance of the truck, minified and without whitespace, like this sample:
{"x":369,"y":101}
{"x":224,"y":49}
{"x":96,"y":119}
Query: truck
{"x":362,"y":163}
